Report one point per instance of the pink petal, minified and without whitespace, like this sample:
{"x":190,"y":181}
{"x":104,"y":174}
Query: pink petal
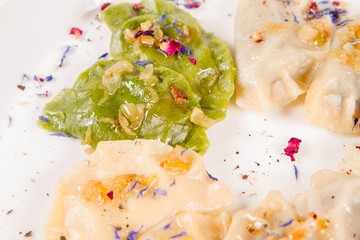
{"x":171,"y":47}
{"x":138,"y":5}
{"x":292,"y":148}
{"x":192,"y":60}
{"x":105,"y":5}
{"x":76,"y":31}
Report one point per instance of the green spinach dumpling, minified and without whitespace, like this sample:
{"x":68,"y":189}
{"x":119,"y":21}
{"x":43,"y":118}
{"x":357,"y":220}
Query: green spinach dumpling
{"x":115,"y":100}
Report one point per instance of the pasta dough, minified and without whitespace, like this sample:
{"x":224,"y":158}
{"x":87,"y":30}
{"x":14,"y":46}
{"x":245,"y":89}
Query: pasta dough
{"x":128,"y":187}
{"x":330,"y":210}
{"x":333,"y":98}
{"x":277,"y":51}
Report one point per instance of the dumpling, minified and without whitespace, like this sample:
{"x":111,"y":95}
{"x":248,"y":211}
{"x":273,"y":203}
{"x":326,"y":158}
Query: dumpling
{"x":277,"y":50}
{"x":330,"y":210}
{"x":333,"y":98}
{"x":190,"y":225}
{"x":264,"y":221}
{"x":176,"y":37}
{"x":334,"y":201}
{"x":128,"y":187}
{"x":109,"y":102}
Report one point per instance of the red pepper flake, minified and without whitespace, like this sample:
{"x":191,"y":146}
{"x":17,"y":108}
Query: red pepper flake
{"x":192,"y":60}
{"x":171,"y":47}
{"x":292,"y":148}
{"x":138,"y":5}
{"x":76,"y":31}
{"x":105,"y":5}
{"x":21,"y":87}
{"x":28,"y":234}
{"x":179,"y":95}
{"x":9,"y":212}
{"x":110,"y":195}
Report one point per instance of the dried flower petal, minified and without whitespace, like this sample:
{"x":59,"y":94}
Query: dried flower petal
{"x":117,"y":237}
{"x":60,"y":135}
{"x":133,"y":186}
{"x":76,"y":31}
{"x":42,"y":118}
{"x":296,"y":172}
{"x":287,"y":223}
{"x":143,"y":63}
{"x":142,"y":191}
{"x":192,"y":4}
{"x":105,"y":5}
{"x":181,"y":32}
{"x":10,"y":119}
{"x":173,"y":183}
{"x":163,"y":18}
{"x":133,"y":234}
{"x":292,"y":148}
{"x":171,"y":24}
{"x":167,"y":226}
{"x":159,"y":192}
{"x":187,"y":48}
{"x":110,"y":195}
{"x":138,"y":5}
{"x":213,"y":178}
{"x":171,"y":47}
{"x":104,"y":55}
{"x":356,"y":120}
{"x":192,"y":60}
{"x":49,"y":78}
{"x":179,"y":235}
{"x":67,"y":50}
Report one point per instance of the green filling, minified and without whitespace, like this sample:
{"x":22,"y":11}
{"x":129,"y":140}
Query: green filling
{"x":89,"y":111}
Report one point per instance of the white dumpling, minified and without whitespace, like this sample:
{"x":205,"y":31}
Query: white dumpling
{"x":334,"y":200}
{"x":128,"y":187}
{"x":269,"y":220}
{"x":330,"y":210}
{"x":190,"y":225}
{"x":333,"y":99}
{"x":277,"y":51}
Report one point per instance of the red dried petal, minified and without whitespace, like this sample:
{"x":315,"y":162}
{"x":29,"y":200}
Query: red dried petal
{"x":138,"y":5}
{"x":110,"y":195}
{"x":192,"y":60}
{"x":336,"y":3}
{"x":105,"y":5}
{"x":76,"y":31}
{"x":292,"y":148}
{"x":171,"y":47}
{"x":189,"y":4}
{"x":314,"y":7}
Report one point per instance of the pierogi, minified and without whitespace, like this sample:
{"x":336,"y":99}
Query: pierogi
{"x":333,"y":98}
{"x":277,"y":50}
{"x":330,"y":210}
{"x":127,"y":188}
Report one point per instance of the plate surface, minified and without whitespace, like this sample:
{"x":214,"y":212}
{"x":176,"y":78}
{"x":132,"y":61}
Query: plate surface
{"x":246,"y":148}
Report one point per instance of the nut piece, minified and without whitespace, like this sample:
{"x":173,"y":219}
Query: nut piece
{"x":112,"y":76}
{"x":199,"y":118}
{"x":179,"y":96}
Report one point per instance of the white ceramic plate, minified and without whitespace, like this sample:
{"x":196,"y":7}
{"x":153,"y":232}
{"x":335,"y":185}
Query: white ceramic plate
{"x":246,"y":148}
